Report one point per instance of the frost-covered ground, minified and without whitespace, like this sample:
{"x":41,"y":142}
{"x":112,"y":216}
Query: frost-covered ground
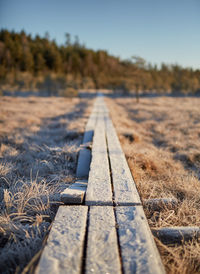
{"x":161,"y":140}
{"x":39,"y":144}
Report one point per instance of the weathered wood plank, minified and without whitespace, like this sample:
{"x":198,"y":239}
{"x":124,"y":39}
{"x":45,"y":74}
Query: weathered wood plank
{"x":75,"y":193}
{"x":159,"y":204}
{"x":125,"y":192}
{"x":90,"y":126}
{"x":83,"y":166}
{"x":177,"y":235}
{"x":102,"y":254}
{"x":138,"y":249}
{"x":84,"y":158}
{"x":64,"y":249}
{"x":99,"y":184}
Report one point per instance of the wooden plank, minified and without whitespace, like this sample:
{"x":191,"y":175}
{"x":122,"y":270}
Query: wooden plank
{"x":84,"y":158}
{"x":159,"y":204}
{"x":138,"y":249}
{"x":64,"y":249}
{"x":75,"y":193}
{"x":102,"y":254}
{"x":125,"y":191}
{"x":99,"y":184}
{"x":90,"y":126}
{"x":83,"y":166}
{"x":177,"y":235}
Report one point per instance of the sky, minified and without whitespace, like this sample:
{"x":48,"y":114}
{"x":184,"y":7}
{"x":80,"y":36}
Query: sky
{"x":157,"y":30}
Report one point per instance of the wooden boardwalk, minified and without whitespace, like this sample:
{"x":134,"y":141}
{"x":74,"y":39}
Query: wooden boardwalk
{"x":105,"y":230}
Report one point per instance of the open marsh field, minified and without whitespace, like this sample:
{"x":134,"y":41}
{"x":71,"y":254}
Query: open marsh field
{"x":160,"y":137}
{"x":39,"y":142}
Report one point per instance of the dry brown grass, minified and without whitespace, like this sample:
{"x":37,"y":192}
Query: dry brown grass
{"x":39,"y":144}
{"x":180,"y":259}
{"x":160,"y":137}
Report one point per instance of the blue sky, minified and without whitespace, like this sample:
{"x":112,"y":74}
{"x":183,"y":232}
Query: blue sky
{"x":157,"y":30}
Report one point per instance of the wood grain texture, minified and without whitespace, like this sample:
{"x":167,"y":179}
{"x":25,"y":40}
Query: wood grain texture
{"x":138,"y":250}
{"x":64,"y":249}
{"x":99,"y":183}
{"x":75,"y":193}
{"x":102,"y":249}
{"x":125,"y":192}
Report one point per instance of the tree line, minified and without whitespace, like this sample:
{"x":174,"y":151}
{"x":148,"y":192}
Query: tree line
{"x":74,"y":64}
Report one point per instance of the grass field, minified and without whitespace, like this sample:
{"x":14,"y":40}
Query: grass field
{"x":39,"y":144}
{"x":161,"y":140}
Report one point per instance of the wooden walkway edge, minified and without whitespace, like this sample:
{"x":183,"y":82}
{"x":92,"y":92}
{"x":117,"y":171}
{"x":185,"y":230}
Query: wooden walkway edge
{"x":108,"y":232}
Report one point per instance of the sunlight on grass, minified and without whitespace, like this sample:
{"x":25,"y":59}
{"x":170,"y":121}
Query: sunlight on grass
{"x":40,"y":140}
{"x":160,"y":138}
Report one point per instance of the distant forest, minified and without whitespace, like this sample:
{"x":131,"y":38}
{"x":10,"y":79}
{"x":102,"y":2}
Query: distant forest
{"x":34,"y":63}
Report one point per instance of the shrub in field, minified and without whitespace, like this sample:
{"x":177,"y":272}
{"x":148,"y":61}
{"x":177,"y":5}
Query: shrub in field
{"x":69,"y":92}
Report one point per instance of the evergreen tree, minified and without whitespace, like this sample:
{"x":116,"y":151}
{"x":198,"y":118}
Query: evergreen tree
{"x":21,"y":52}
